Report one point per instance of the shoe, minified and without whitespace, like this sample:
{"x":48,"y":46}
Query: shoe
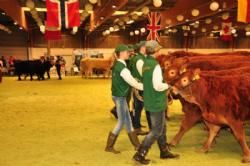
{"x":111,"y":142}
{"x":167,"y":154}
{"x":140,"y":156}
{"x":139,"y":131}
{"x":134,"y":139}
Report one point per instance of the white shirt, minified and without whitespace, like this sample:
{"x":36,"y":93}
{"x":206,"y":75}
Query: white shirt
{"x":126,"y":75}
{"x":158,"y":80}
{"x":139,"y":65}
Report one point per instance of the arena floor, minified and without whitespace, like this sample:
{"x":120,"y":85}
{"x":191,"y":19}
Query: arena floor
{"x":66,"y":123}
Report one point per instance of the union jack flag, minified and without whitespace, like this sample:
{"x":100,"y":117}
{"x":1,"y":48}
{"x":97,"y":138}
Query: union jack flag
{"x":153,"y":26}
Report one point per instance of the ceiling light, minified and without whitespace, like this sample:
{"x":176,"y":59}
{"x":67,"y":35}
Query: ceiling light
{"x":102,"y":18}
{"x":113,"y":6}
{"x":130,"y":22}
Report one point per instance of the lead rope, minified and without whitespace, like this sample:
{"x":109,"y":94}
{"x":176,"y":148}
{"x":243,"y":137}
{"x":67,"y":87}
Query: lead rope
{"x":170,"y":102}
{"x":137,"y":95}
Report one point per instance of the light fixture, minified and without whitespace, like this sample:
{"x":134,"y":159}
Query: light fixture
{"x":235,"y":35}
{"x":113,"y":6}
{"x":130,"y":22}
{"x":193,"y":32}
{"x":214,"y":6}
{"x":93,"y":1}
{"x":131,"y":33}
{"x":15,"y":23}
{"x":145,"y":10}
{"x":208,"y":21}
{"x":195,"y":12}
{"x":248,"y":33}
{"x":3,"y":13}
{"x":157,"y":3}
{"x":20,"y":28}
{"x":225,"y":16}
{"x":180,"y":18}
{"x":143,"y":30}
{"x":215,"y":27}
{"x":88,"y":7}
{"x":174,"y":30}
{"x":107,"y":32}
{"x":137,"y":32}
{"x":185,"y":34}
{"x":168,"y":21}
{"x":233,"y":31}
{"x":102,"y":18}
{"x":169,"y":30}
{"x":203,"y":30}
{"x":211,"y":34}
{"x":111,"y":29}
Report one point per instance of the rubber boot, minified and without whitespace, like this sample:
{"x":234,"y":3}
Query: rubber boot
{"x":111,"y":142}
{"x":167,"y":154}
{"x":134,"y":140}
{"x":140,"y":156}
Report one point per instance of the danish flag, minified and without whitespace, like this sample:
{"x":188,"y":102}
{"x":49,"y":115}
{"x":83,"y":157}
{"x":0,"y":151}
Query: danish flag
{"x":153,"y":27}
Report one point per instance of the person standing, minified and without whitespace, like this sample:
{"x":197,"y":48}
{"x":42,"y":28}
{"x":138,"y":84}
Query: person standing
{"x":136,"y":70}
{"x":155,"y":102}
{"x":58,"y":67}
{"x":1,"y":68}
{"x":121,"y":82}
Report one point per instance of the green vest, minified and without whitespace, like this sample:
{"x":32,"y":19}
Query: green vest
{"x":154,"y":101}
{"x":119,"y":88}
{"x":135,"y":73}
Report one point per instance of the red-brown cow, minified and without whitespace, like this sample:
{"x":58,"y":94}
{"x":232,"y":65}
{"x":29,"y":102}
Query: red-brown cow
{"x":222,"y":101}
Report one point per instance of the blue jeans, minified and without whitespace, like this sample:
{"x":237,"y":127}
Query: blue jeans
{"x":158,"y":131}
{"x":123,"y":114}
{"x":138,"y":106}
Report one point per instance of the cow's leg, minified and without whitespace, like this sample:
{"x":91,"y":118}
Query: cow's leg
{"x":191,"y":117}
{"x":31,"y":77}
{"x":239,"y":133}
{"x":19,"y":77}
{"x":213,"y":130}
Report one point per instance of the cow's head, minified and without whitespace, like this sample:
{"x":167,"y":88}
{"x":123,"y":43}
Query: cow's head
{"x":172,"y":73}
{"x":185,"y":86}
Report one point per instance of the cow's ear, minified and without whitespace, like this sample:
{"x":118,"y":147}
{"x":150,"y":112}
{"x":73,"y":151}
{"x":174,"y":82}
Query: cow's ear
{"x":196,"y":74}
{"x":183,"y":68}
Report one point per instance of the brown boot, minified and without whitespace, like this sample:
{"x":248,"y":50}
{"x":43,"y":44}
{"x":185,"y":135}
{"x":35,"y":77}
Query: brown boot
{"x":134,"y":139}
{"x":140,"y":156}
{"x":139,"y":131}
{"x":167,"y":154}
{"x":111,"y":142}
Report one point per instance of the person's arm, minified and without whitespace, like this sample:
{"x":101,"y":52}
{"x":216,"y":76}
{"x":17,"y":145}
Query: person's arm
{"x":139,"y":65}
{"x":126,"y":75}
{"x":158,"y":80}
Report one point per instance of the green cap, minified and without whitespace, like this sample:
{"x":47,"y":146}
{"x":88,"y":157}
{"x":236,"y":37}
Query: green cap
{"x":141,"y":44}
{"x":121,"y":48}
{"x":153,"y":46}
{"x":131,"y":47}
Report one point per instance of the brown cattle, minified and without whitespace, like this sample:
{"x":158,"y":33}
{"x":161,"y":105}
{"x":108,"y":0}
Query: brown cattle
{"x":192,"y":113}
{"x":223,"y":100}
{"x":88,"y":64}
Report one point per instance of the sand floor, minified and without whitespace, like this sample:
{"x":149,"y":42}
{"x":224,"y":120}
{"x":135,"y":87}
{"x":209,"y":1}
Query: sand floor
{"x":66,"y":123}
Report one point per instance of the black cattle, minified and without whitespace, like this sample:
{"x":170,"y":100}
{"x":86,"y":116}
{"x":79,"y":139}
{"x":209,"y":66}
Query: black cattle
{"x":32,"y":67}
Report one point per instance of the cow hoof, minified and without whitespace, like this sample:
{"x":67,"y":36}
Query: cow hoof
{"x":202,"y":150}
{"x":173,"y":144}
{"x":246,"y":159}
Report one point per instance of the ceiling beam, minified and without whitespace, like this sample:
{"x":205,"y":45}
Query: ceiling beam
{"x":106,"y":11}
{"x":14,"y":10}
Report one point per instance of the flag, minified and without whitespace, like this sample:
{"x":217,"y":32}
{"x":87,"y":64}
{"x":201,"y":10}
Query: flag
{"x":153,"y":27}
{"x":53,"y":13}
{"x":226,"y":33}
{"x":52,"y":33}
{"x":72,"y":15}
{"x":243,"y":11}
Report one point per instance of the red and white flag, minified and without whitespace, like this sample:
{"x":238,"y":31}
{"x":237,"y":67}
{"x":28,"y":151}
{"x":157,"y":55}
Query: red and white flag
{"x":226,"y":33}
{"x":153,"y":27}
{"x":53,"y":13}
{"x":72,"y":15}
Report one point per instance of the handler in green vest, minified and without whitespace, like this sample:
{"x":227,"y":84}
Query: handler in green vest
{"x":136,"y":69}
{"x":121,"y":82}
{"x":155,"y":102}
